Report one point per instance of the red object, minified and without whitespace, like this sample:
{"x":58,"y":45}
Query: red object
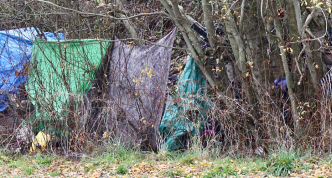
{"x":281,"y":13}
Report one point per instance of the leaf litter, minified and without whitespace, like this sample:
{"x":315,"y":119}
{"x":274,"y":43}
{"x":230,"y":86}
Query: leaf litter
{"x":32,"y":166}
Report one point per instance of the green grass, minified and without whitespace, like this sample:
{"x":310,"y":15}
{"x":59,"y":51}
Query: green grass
{"x":28,"y":170}
{"x":44,"y":159}
{"x":12,"y":164}
{"x":118,"y":153}
{"x":54,"y":174}
{"x":279,"y":163}
{"x":122,"y":169}
{"x":221,"y":171}
{"x":115,"y":153}
{"x":188,"y":160}
{"x":172,"y":173}
{"x":91,"y":167}
{"x":285,"y":163}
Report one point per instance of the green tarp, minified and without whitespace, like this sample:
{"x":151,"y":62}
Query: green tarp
{"x":61,"y":72}
{"x":178,"y":120}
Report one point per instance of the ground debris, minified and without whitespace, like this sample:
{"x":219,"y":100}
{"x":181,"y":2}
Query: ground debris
{"x":50,"y":166}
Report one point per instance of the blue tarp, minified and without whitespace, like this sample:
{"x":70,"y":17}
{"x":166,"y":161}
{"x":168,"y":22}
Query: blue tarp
{"x":281,"y":83}
{"x":15,"y":52}
{"x":176,"y":123}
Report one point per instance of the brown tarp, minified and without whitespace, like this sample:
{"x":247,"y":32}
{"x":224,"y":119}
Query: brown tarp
{"x":138,"y":80}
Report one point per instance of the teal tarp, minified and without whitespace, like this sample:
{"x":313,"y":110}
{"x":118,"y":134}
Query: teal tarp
{"x":177,"y":121}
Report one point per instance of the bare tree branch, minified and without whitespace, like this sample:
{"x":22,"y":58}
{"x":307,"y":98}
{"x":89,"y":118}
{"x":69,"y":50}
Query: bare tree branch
{"x":207,"y":10}
{"x":241,"y":16}
{"x":289,"y":80}
{"x":102,"y":15}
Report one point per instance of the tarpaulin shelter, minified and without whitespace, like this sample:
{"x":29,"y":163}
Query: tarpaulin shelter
{"x":61,"y":72}
{"x":178,"y":122}
{"x":138,"y":88}
{"x":15,"y":52}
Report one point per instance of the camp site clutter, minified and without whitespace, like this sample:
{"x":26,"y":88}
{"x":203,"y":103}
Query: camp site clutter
{"x":111,"y":89}
{"x":60,"y":74}
{"x":15,"y":53}
{"x":65,"y":77}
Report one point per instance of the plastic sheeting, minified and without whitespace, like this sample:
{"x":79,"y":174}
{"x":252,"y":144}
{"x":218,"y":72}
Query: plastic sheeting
{"x":177,"y":122}
{"x":281,"y":83}
{"x":61,"y":73}
{"x":15,"y":52}
{"x":138,"y":88}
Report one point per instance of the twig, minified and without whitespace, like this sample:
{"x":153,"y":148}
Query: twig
{"x":298,"y":67}
{"x":230,"y":8}
{"x":102,"y":15}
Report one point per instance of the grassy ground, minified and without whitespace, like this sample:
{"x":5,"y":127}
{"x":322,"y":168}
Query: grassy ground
{"x":117,"y":161}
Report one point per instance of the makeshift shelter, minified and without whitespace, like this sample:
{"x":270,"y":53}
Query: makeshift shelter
{"x":15,"y":52}
{"x":60,"y":75}
{"x":137,"y":90}
{"x":179,"y":121}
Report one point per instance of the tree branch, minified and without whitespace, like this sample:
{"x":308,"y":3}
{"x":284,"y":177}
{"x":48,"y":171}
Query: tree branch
{"x":207,"y":10}
{"x":298,"y":15}
{"x":289,"y":80}
{"x":191,"y":41}
{"x":306,"y":47}
{"x":102,"y":15}
{"x":241,"y":16}
{"x":128,"y":25}
{"x":240,"y":45}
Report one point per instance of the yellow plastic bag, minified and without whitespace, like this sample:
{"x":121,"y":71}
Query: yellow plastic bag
{"x":41,"y":139}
